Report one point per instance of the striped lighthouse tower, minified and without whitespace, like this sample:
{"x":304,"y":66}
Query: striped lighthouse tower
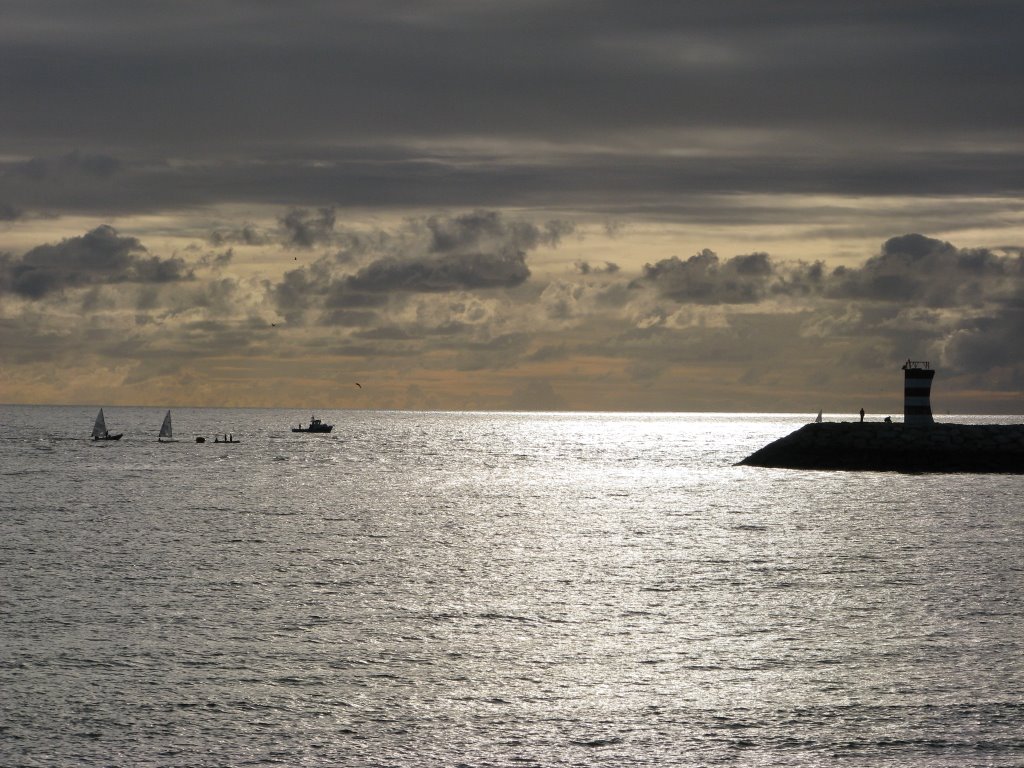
{"x":917,"y":390}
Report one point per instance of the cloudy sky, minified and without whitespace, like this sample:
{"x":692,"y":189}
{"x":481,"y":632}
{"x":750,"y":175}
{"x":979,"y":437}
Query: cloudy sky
{"x":525,"y":204}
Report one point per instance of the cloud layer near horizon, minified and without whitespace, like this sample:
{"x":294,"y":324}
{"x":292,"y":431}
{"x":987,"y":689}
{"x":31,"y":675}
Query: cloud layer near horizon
{"x":453,"y":299}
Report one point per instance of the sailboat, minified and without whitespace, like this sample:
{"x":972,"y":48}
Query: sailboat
{"x":166,"y":433}
{"x":99,"y":429}
{"x":818,"y":420}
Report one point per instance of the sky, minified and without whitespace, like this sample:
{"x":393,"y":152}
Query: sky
{"x":594,"y":205}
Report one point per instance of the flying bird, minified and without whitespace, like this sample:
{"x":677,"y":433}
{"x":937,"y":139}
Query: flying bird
{"x":359,"y":385}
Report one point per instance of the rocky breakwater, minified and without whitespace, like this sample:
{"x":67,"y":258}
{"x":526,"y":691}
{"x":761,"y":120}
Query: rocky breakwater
{"x":894,"y":447}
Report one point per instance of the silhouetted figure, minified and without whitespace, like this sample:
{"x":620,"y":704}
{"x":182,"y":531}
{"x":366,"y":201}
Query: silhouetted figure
{"x":862,"y":415}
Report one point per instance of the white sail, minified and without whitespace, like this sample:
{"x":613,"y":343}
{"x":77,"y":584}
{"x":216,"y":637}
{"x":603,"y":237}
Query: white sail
{"x":165,"y":428}
{"x":818,"y":420}
{"x":99,"y":429}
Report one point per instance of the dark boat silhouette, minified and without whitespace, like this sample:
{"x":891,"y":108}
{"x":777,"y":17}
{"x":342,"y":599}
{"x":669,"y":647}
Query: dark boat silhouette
{"x":315,"y":425}
{"x":166,"y":431}
{"x":99,"y":429}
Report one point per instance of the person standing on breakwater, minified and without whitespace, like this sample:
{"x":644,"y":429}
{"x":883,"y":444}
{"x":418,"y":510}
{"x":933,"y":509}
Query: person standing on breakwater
{"x":861,"y":415}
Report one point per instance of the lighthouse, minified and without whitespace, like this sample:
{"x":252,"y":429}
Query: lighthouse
{"x":917,"y":391}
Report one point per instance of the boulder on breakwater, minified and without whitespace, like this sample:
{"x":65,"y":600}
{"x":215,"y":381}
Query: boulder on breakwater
{"x":895,"y":447}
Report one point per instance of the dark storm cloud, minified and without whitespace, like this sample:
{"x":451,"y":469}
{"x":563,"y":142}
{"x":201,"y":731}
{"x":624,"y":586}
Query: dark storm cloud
{"x":217,"y":261}
{"x":247,"y":234}
{"x":913,"y":269}
{"x":988,"y":342}
{"x":300,"y":289}
{"x":446,"y":273}
{"x":304,"y":229}
{"x":389,"y":103}
{"x":97,"y":257}
{"x":318,"y":287}
{"x":10,"y":213}
{"x":470,"y":231}
{"x":349,"y":318}
{"x":586,"y":268}
{"x":917,"y":295}
{"x":67,"y":165}
{"x":963,"y":307}
{"x":476,"y":251}
{"x":630,"y":183}
{"x":394,"y":69}
{"x":922,"y":270}
{"x":705,"y":279}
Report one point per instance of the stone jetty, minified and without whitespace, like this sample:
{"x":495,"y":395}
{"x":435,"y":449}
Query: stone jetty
{"x":895,"y":447}
{"x":916,"y":445}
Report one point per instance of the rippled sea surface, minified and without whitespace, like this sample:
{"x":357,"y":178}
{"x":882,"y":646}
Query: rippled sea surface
{"x":484,"y":589}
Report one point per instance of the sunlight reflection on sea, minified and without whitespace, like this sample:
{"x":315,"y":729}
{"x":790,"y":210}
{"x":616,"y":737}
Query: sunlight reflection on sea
{"x":495,"y":589}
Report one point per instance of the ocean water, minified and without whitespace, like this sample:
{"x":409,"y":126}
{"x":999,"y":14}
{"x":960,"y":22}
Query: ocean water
{"x":493,"y":589}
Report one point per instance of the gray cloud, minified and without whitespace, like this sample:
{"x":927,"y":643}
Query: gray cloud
{"x":585,"y":268}
{"x":455,"y":295}
{"x":632,"y":183}
{"x":705,"y":279}
{"x":97,"y":257}
{"x":472,"y":231}
{"x":819,"y":65}
{"x":987,"y":343}
{"x":447,"y":273}
{"x":619,"y":110}
{"x":64,"y":166}
{"x":350,"y":318}
{"x":300,"y":289}
{"x":247,"y":234}
{"x":476,"y":251}
{"x":916,"y":269}
{"x":217,"y":261}
{"x":962,"y":307}
{"x":912,"y":270}
{"x":305,"y":229}
{"x":946,"y":300}
{"x":9,"y":212}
